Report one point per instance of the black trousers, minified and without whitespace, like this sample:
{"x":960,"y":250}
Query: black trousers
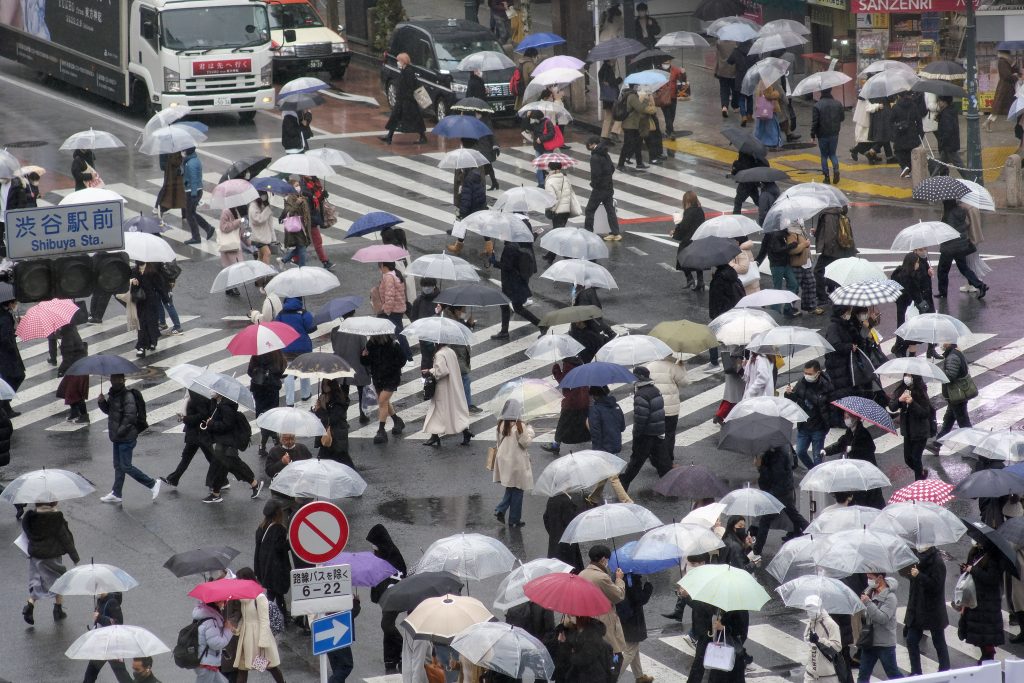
{"x":632,"y":145}
{"x":670,"y":118}
{"x":187,"y":454}
{"x":227,"y":461}
{"x":946,"y":262}
{"x":903,"y":157}
{"x":392,"y":639}
{"x":598,"y":199}
{"x":92,"y":671}
{"x":521,"y":310}
{"x":645,"y":447}
{"x":955,"y":412}
{"x":913,"y":450}
{"x":819,"y":277}
{"x":764,"y":525}
{"x":744,"y":190}
{"x":668,"y":444}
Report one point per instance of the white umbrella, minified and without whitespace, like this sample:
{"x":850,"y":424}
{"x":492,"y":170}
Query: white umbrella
{"x":90,"y":195}
{"x":462,"y":158}
{"x":738,"y":326}
{"x":468,"y":556}
{"x":46,"y":486}
{"x":793,"y":208}
{"x":774,"y":406}
{"x":920,"y":523}
{"x":116,"y":642}
{"x":320,"y":479}
{"x":883,"y":65}
{"x":506,"y":649}
{"x":210,"y":384}
{"x":440,"y":331}
{"x":681,"y":39}
{"x":767,"y":71}
{"x":301,"y":164}
{"x":527,"y":398}
{"x":165,"y":117}
{"x":305,"y":84}
{"x":93,"y":579}
{"x":367,"y":326}
{"x":751,"y":503}
{"x":240,"y":273}
{"x":1015,"y":108}
{"x":581,"y":273}
{"x":302,"y":281}
{"x":175,"y":137}
{"x":850,"y":270}
{"x":185,"y":373}
{"x":978,"y":196}
{"x":609,"y":521}
{"x":574,"y":243}
{"x":834,"y":596}
{"x":557,"y":76}
{"x":887,"y":83}
{"x":736,"y":32}
{"x":823,"y":80}
{"x":767,"y":297}
{"x":714,"y":27}
{"x":776,"y":41}
{"x":487,"y":60}
{"x":291,"y":421}
{"x":842,"y":518}
{"x":933,"y":328}
{"x":510,"y":590}
{"x":331,"y":156}
{"x":633,"y":349}
{"x":553,"y":347}
{"x":860,"y":551}
{"x":789,"y":339}
{"x":690,"y":539}
{"x":796,"y":558}
{"x":91,"y":139}
{"x":7,"y":392}
{"x":232,"y":193}
{"x":923,"y":234}
{"x":912,"y":365}
{"x":555,"y":111}
{"x":141,"y":246}
{"x":442,"y":618}
{"x":443,"y":267}
{"x":525,"y":200}
{"x":706,"y":515}
{"x":784,"y":26}
{"x":830,"y":194}
{"x":727,"y":225}
{"x":10,"y":167}
{"x":579,"y":471}
{"x":498,"y":225}
{"x":844,"y":474}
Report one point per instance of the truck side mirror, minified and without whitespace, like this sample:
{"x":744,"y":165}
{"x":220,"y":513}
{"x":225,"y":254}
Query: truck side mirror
{"x":148,"y":30}
{"x":289,"y":35}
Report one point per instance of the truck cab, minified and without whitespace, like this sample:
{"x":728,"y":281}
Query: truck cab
{"x":303,"y":43}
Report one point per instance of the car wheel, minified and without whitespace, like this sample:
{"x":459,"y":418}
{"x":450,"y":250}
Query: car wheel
{"x":246,"y":117}
{"x":440,"y":108}
{"x":337,"y":73}
{"x":391,"y":90}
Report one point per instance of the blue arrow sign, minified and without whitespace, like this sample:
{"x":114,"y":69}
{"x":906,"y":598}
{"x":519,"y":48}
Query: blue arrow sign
{"x":332,"y":633}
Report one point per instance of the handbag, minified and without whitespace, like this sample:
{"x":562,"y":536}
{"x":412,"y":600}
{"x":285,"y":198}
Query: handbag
{"x":138,"y":294}
{"x":422,"y":98}
{"x":376,"y":300}
{"x":960,"y":390}
{"x":965,"y":593}
{"x":429,"y":387}
{"x":763,"y":108}
{"x":259,"y":662}
{"x":867,"y":635}
{"x":838,"y":662}
{"x":719,"y":655}
{"x":292,"y":224}
{"x":327,"y":438}
{"x":492,"y":455}
{"x":328,"y":213}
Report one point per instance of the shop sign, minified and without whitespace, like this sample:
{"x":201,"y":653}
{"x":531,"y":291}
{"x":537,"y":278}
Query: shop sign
{"x":907,"y":6}
{"x":820,"y":15}
{"x":834,"y":4}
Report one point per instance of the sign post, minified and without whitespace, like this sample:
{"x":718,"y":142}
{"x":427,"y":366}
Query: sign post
{"x":332,"y":633}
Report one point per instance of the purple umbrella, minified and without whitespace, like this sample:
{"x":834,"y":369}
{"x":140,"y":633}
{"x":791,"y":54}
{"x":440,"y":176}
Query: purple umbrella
{"x":367,"y":569}
{"x":559,"y":62}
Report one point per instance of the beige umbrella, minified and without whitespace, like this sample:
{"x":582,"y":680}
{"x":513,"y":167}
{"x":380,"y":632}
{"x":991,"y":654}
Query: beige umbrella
{"x":441,"y":619}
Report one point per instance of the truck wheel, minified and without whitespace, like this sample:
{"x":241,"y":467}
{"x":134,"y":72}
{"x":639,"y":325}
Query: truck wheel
{"x":440,"y":108}
{"x":337,"y":73}
{"x":391,"y":91}
{"x":246,"y":118}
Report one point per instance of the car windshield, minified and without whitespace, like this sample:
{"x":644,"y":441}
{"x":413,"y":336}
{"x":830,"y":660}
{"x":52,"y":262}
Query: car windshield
{"x":211,"y":28}
{"x":293,"y":15}
{"x":453,"y":50}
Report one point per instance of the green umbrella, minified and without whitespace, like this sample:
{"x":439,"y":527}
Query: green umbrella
{"x":683,"y":336}
{"x":571,"y":314}
{"x":723,"y":586}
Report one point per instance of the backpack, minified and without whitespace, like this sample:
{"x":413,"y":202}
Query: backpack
{"x":845,"y":236}
{"x":186,"y":649}
{"x":515,"y":84}
{"x":141,"y":424}
{"x":620,"y":110}
{"x":243,"y":431}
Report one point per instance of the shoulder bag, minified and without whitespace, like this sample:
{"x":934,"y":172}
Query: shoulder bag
{"x":422,"y":98}
{"x":327,"y":439}
{"x":763,"y":108}
{"x":492,"y":455}
{"x":719,"y":655}
{"x":962,"y":388}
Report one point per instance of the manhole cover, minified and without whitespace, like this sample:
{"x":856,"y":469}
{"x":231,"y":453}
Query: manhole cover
{"x":25,"y":143}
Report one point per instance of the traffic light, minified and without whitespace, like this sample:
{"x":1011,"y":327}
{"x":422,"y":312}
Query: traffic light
{"x":71,"y":277}
{"x":112,"y":270}
{"x":33,"y":281}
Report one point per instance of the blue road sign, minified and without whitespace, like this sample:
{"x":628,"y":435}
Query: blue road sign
{"x":332,"y":633}
{"x":60,"y":230}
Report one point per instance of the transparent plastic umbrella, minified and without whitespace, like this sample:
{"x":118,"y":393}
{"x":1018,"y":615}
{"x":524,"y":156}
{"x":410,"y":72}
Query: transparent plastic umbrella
{"x":823,"y":80}
{"x":232,"y":193}
{"x":978,"y":196}
{"x":751,"y":503}
{"x":775,"y":406}
{"x":863,"y":550}
{"x":580,"y":273}
{"x":185,"y":373}
{"x":796,"y":558}
{"x":506,"y":649}
{"x":887,"y":83}
{"x":443,"y":267}
{"x":847,"y":271}
{"x":320,"y":479}
{"x":286,"y":420}
{"x":776,"y":41}
{"x":468,"y":556}
{"x":555,"y":111}
{"x":830,"y":194}
{"x":116,"y":642}
{"x":93,"y":579}
{"x":579,"y":471}
{"x":1002,"y":444}
{"x":525,"y":200}
{"x":302,"y":281}
{"x":738,"y":326}
{"x":574,"y":243}
{"x":767,"y":297}
{"x":553,"y":347}
{"x":212,"y":383}
{"x":736,"y":32}
{"x":633,"y":349}
{"x":923,"y":234}
{"x":688,"y":539}
{"x":883,"y":65}
{"x":706,"y":515}
{"x":608,"y":521}
{"x":175,"y":137}
{"x":91,"y":139}
{"x":331,"y":156}
{"x":440,"y":331}
{"x":557,"y":76}
{"x":841,"y":518}
{"x":834,"y":595}
{"x":789,"y":339}
{"x":933,"y":328}
{"x":305,"y":84}
{"x":238,"y":274}
{"x":367,"y":326}
{"x":527,"y":398}
{"x":793,"y":208}
{"x":46,"y":486}
{"x":301,"y":164}
{"x":496,"y":224}
{"x":681,"y":39}
{"x":147,"y":248}
{"x":487,"y":60}
{"x":784,"y":26}
{"x":462,"y":158}
{"x":510,"y":590}
{"x":714,"y":27}
{"x":920,"y":523}
{"x":767,"y":71}
{"x":10,"y":167}
{"x":90,"y":195}
{"x":725,"y":587}
{"x":727,"y":225}
{"x":844,"y":474}
{"x":912,"y":365}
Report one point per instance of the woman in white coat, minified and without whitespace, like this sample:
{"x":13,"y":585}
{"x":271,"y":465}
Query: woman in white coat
{"x":448,"y":412}
{"x":822,"y":631}
{"x":255,"y":638}
{"x":759,"y":373}
{"x":512,"y":467}
{"x":261,"y":223}
{"x":567,"y":204}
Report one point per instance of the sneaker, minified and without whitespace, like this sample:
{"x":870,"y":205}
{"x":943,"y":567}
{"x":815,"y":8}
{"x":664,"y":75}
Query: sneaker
{"x":213,"y":498}
{"x":690,"y":640}
{"x":167,"y":480}
{"x":552,"y":448}
{"x":156,"y":488}
{"x":818,"y":311}
{"x":476,"y":409}
{"x":140,"y":352}
{"x":256,"y":489}
{"x":609,"y":238}
{"x":969,"y":289}
{"x":26,"y":613}
{"x":161,"y":326}
{"x":225,"y":487}
{"x":175,"y":331}
{"x":110,"y":498}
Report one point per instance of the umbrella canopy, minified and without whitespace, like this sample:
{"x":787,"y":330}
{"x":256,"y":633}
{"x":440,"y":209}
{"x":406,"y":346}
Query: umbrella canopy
{"x":472,"y":294}
{"x":498,"y":225}
{"x":46,"y":486}
{"x":553,"y":347}
{"x":738,"y":33}
{"x":527,"y":398}
{"x":91,"y":139}
{"x":232,"y":193}
{"x":989,"y":484}
{"x":887,"y":83}
{"x":978,"y":196}
{"x":796,"y":558}
{"x":539,"y":41}
{"x":93,"y":579}
{"x":867,"y":293}
{"x":776,"y":41}
{"x":633,"y":349}
{"x":1002,"y":445}
{"x":615,"y":48}
{"x":368,"y":570}
{"x":166,"y":116}
{"x":686,"y":539}
{"x":772,"y":406}
{"x":320,"y":479}
{"x":652,"y":78}
{"x":884,"y":65}
{"x":596,"y":374}
{"x":912,"y":365}
{"x":10,"y":167}
{"x":834,"y":596}
{"x":525,"y":200}
{"x":510,"y":590}
{"x":380,"y":253}
{"x":302,"y":165}
{"x":367,"y":326}
{"x":683,"y":336}
{"x":651,"y":54}
{"x":579,"y":471}
{"x":830,"y":194}
{"x":148,"y":224}
{"x":706,"y":515}
{"x":247,"y":168}
{"x":461,"y":126}
{"x":201,"y":560}
{"x":859,"y":551}
{"x":764,"y":71}
{"x":176,"y":137}
{"x":844,"y":474}
{"x":767,"y":297}
{"x":938,"y":87}
{"x":148,"y":248}
{"x":548,"y":158}
{"x":567,"y":594}
{"x":103,"y":364}
{"x":469,"y":556}
{"x":580,"y":273}
{"x":555,"y":76}
{"x":624,"y":558}
{"x":785,"y":210}
{"x":823,"y":80}
{"x":941,"y":187}
{"x":319,"y":366}
{"x":373,"y":221}
{"x":754,"y":434}
{"x":681,"y":39}
{"x":1013,"y":531}
{"x":727,"y":225}
{"x":487,"y":60}
{"x":443,"y":267}
{"x":745,"y":142}
{"x":751,"y":503}
{"x":994,"y":544}
{"x":91,"y":195}
{"x":928,"y":490}
{"x":920,"y":523}
{"x":45,"y":318}
{"x":405,"y":595}
{"x":212,"y":383}
{"x":559,"y":62}
{"x":226,"y":589}
{"x":788,"y":339}
{"x":924,"y":234}
{"x":240,"y":273}
{"x":570,"y":314}
{"x":507,"y":649}
{"x":337,"y":308}
{"x":851,"y":270}
{"x":725,"y":587}
{"x":836,"y":519}
{"x":933,"y":328}
{"x":694,"y":482}
{"x":708,"y":252}
{"x":291,"y":421}
{"x":554,"y":110}
{"x":440,"y":331}
{"x":302,"y":281}
{"x":608,"y":521}
{"x":262,"y":338}
{"x":759,"y":174}
{"x":331,"y":156}
{"x":738,"y":326}
{"x":6,"y":391}
{"x":306,"y":84}
{"x":115,"y":642}
{"x":300,"y":101}
{"x":785,"y":26}
{"x":574,"y":243}
{"x":866,"y":410}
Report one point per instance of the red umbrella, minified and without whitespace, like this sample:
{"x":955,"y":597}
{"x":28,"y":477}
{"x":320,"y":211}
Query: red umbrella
{"x":262,"y":338}
{"x":226,"y":589}
{"x":568,"y":594}
{"x":930,"y":490}
{"x":45,"y":318}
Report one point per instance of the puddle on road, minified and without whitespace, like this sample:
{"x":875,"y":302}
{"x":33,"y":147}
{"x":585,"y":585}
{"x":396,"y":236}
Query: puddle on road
{"x":457,"y":511}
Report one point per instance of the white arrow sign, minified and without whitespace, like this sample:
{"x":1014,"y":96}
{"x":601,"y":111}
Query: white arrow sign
{"x":336,"y":632}
{"x":350,"y":97}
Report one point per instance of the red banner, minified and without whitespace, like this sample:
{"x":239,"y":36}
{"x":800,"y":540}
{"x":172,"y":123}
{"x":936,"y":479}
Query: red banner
{"x":221,"y":66}
{"x":907,"y":6}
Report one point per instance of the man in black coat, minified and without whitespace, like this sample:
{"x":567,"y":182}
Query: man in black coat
{"x":841,"y":333}
{"x":926,"y":608}
{"x":12,"y":368}
{"x":602,"y":191}
{"x":775,"y":476}
{"x":648,"y":428}
{"x":107,"y":613}
{"x":947,"y":135}
{"x":634,"y":624}
{"x":197,"y":410}
{"x":517,"y":267}
{"x":744,"y":190}
{"x":560,"y":510}
{"x":826,"y":122}
{"x":812,"y":394}
{"x":122,"y":410}
{"x":907,"y":130}
{"x":858,"y":444}
{"x":724,"y":291}
{"x":223,"y":426}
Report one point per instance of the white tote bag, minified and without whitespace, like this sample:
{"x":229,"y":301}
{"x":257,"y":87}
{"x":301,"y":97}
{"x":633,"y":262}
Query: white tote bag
{"x":719,"y":655}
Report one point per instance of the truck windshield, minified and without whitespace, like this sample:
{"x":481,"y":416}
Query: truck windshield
{"x":293,"y":15}
{"x":451,"y":51}
{"x":211,"y":28}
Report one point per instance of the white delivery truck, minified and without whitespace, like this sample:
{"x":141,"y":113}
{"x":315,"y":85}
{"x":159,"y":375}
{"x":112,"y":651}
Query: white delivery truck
{"x":212,"y":55}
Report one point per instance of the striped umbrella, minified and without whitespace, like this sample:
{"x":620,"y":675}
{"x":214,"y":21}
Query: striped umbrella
{"x":554,"y":158}
{"x":978,"y":196}
{"x":45,"y":318}
{"x":940,"y":187}
{"x":867,"y":410}
{"x":867,"y":293}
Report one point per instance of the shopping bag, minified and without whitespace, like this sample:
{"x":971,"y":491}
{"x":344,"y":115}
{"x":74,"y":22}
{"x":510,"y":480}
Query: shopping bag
{"x":422,"y":97}
{"x":719,"y":655}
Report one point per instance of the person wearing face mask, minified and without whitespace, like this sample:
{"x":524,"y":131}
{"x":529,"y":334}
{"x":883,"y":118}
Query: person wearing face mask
{"x":917,"y":420}
{"x":957,"y":250}
{"x":955,"y":367}
{"x":878,"y":637}
{"x":665,"y":99}
{"x":121,"y":406}
{"x":738,"y":541}
{"x":822,"y":633}
{"x":842,"y":334}
{"x":602,"y":190}
{"x":760,"y":373}
{"x":857,"y":443}
{"x":405,"y":114}
{"x":915,"y":276}
{"x":295,"y":219}
{"x":812,"y":394}
{"x":926,"y":608}
{"x":613,"y":588}
{"x":868,"y":355}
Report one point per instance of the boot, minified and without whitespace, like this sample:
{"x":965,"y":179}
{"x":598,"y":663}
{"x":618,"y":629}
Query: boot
{"x":381,"y":436}
{"x":399,"y":425}
{"x":677,"y":613}
{"x":466,"y":436}
{"x":386,"y":139}
{"x":58,"y":612}
{"x":434,"y":441}
{"x":455,"y":248}
{"x":26,"y":613}
{"x":1019,"y":638}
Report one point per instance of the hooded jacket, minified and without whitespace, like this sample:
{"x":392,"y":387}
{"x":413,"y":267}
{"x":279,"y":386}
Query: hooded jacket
{"x":472,"y":196}
{"x":213,"y":635}
{"x":826,"y":235}
{"x":49,"y":537}
{"x":300,"y":320}
{"x":880,"y":612}
{"x":669,"y":377}
{"x":606,"y":423}
{"x":601,"y":170}
{"x":648,"y":410}
{"x":387,"y":551}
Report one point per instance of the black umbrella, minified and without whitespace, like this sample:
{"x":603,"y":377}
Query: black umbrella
{"x":650,"y":54}
{"x":472,"y":295}
{"x":940,"y":187}
{"x":944,"y":70}
{"x":614,"y":49}
{"x":989,"y":484}
{"x":1012,"y":530}
{"x":473,"y":104}
{"x":940,"y":88}
{"x":246,"y":167}
{"x":745,"y":142}
{"x":201,"y":560}
{"x":103,"y":364}
{"x":760,"y":174}
{"x":147,"y":224}
{"x":708,"y":253}
{"x":693,"y":482}
{"x":990,"y":538}
{"x":6,"y":292}
{"x":336,"y":308}
{"x":407,"y":594}
{"x":709,"y":10}
{"x":754,"y":434}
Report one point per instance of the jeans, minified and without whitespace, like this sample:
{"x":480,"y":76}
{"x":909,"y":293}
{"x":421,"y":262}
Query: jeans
{"x":815,"y":438}
{"x":540,"y":174}
{"x":194,"y":220}
{"x":784,"y":275}
{"x":727,"y":92}
{"x":827,"y":147}
{"x":403,"y":341}
{"x":289,"y":389}
{"x":746,"y":105}
{"x":168,"y":303}
{"x":466,"y":382}
{"x":870,"y":655}
{"x":513,"y":502}
{"x":298,"y":254}
{"x":946,"y":262}
{"x":341,"y":664}
{"x":645,"y":446}
{"x":596,"y":200}
{"x":123,"y":466}
{"x":914,"y":649}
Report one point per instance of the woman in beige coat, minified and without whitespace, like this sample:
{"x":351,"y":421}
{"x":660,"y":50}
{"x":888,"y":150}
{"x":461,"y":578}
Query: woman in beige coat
{"x":254,"y":635}
{"x":745,"y":265}
{"x":821,"y":630}
{"x":512,"y":468}
{"x":448,"y":412}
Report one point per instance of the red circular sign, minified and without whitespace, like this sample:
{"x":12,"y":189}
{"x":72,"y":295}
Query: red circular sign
{"x":318,"y":532}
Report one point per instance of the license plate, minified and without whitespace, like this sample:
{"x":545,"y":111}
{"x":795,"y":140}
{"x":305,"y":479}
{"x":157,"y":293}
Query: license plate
{"x":316,"y":63}
{"x":222,"y":101}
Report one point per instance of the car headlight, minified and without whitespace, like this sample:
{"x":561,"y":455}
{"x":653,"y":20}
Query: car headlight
{"x":172,"y":80}
{"x":459,"y":87}
{"x":286,"y":50}
{"x":339,"y":47}
{"x":266,"y":74}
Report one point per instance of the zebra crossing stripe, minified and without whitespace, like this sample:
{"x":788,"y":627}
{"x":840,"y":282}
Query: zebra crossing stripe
{"x":681,"y":644}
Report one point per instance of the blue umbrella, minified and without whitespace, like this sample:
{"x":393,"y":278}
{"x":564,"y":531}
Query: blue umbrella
{"x":103,"y":364}
{"x":1010,"y":45}
{"x":147,"y":224}
{"x":539,"y":40}
{"x":372,"y":222}
{"x":649,"y":77}
{"x":623,"y":559}
{"x":461,"y":126}
{"x":201,"y":127}
{"x":273,"y":186}
{"x":867,"y":410}
{"x":336,"y":308}
{"x":596,"y":374}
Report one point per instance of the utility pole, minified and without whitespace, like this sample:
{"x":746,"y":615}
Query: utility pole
{"x":973,"y":116}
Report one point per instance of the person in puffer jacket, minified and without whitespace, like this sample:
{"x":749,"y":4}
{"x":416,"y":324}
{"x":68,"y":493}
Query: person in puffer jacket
{"x":879,"y":600}
{"x":648,"y":428}
{"x":214,"y":635}
{"x":606,"y":423}
{"x":296,"y":317}
{"x":669,"y":376}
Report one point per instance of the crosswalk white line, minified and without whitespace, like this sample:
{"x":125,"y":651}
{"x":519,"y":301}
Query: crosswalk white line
{"x":680,"y":643}
{"x":660,"y":672}
{"x":37,"y":347}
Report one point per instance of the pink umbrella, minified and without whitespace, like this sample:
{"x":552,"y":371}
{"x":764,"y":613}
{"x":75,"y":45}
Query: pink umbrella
{"x":380,"y":253}
{"x":45,"y":318}
{"x":559,"y":62}
{"x":227,"y":589}
{"x":232,"y":193}
{"x":262,"y":338}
